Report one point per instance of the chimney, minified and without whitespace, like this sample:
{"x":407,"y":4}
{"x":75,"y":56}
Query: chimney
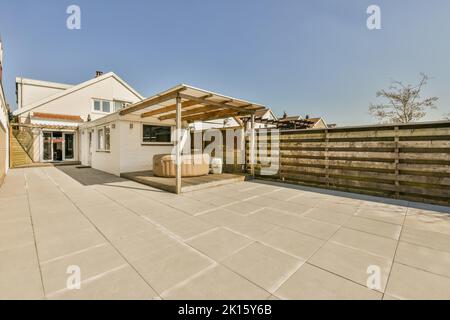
{"x":98,"y":73}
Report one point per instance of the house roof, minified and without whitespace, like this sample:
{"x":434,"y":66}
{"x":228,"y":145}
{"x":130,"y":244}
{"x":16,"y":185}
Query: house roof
{"x":42,"y":83}
{"x":45,"y":126}
{"x":197,"y":104}
{"x":316,"y":121}
{"x":291,"y":118}
{"x":52,"y":116}
{"x":262,"y":112}
{"x":76,"y":88}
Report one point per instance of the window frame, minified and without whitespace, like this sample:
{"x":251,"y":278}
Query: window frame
{"x":127,"y":103}
{"x":111,"y":106}
{"x":102,"y":147}
{"x":144,"y":143}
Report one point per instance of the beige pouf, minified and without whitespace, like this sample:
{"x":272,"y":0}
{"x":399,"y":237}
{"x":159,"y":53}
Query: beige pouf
{"x":191,"y":165}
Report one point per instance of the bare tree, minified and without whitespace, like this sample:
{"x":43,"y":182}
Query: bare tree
{"x":404,"y":102}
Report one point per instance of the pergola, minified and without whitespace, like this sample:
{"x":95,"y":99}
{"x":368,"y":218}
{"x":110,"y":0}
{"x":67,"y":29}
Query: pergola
{"x":190,"y":104}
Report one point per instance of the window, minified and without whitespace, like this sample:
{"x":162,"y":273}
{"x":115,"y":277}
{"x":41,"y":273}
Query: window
{"x":100,"y":139}
{"x":97,"y":104}
{"x":104,"y":138}
{"x":106,"y":106}
{"x":152,"y":133}
{"x":120,"y":105}
{"x":103,"y":106}
{"x":107,"y":138}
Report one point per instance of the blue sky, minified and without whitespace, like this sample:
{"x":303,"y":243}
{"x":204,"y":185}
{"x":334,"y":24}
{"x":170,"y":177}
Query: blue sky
{"x":302,"y":57}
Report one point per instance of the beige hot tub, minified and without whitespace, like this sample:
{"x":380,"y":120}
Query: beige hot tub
{"x":191,"y":165}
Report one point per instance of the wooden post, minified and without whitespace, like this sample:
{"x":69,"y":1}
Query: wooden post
{"x":10,"y":136}
{"x":178,"y":146}
{"x":252,"y":146}
{"x":327,"y":159}
{"x":397,"y":161}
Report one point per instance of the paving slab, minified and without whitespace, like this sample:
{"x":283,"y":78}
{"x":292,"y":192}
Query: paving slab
{"x":219,"y":243}
{"x":424,"y":258}
{"x":413,"y":284}
{"x":217,"y":283}
{"x":263,"y":265}
{"x":312,"y":283}
{"x":351,"y":263}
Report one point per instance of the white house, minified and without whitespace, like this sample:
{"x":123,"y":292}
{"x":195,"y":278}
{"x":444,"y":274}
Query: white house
{"x":52,"y":112}
{"x":4,"y":130}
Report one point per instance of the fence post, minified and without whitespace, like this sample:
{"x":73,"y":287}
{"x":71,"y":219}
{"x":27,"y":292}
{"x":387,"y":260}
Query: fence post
{"x":327,"y":160}
{"x":397,"y":160}
{"x":280,"y":176}
{"x":10,"y":146}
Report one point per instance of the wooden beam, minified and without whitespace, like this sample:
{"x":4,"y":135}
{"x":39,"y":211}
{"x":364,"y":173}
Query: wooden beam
{"x":191,"y":112}
{"x":178,"y":146}
{"x":172,"y":108}
{"x":252,"y":146}
{"x":212,"y":115}
{"x":149,"y":102}
{"x":159,"y":111}
{"x":218,"y":104}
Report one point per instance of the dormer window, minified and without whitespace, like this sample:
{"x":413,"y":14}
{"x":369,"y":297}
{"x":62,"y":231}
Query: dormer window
{"x":101,"y":106}
{"x":120,"y":105}
{"x":107,"y":106}
{"x":97,"y":105}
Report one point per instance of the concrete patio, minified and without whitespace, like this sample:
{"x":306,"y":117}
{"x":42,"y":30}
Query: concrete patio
{"x":248,"y":240}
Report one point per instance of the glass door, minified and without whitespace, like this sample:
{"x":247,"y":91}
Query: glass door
{"x":47,"y":142}
{"x":57,"y":142}
{"x":69,"y":146}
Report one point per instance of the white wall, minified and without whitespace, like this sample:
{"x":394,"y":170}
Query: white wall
{"x":30,"y":91}
{"x":127,"y":152}
{"x":4,"y":124}
{"x":107,"y":161}
{"x":134,"y":156}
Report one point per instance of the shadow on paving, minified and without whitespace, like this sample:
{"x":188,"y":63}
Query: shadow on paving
{"x":88,"y":177}
{"x":358,"y":196}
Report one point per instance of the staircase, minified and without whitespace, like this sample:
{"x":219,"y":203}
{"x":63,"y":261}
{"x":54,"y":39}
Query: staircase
{"x":21,"y":148}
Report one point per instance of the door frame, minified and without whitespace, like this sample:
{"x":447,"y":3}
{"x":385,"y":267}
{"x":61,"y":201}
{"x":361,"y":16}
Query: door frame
{"x":51,"y":146}
{"x":64,"y":146}
{"x":90,"y":144}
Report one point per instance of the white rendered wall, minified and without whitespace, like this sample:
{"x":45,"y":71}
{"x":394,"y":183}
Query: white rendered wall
{"x":134,"y":155}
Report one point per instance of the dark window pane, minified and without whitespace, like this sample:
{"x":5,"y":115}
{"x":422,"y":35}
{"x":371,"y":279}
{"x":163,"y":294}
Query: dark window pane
{"x":97,"y":105}
{"x":106,"y":106}
{"x":156,"y":133}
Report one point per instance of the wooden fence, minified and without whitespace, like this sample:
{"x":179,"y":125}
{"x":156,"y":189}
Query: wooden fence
{"x":409,"y":161}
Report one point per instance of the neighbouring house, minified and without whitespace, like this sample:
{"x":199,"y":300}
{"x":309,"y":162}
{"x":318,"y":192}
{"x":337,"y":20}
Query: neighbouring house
{"x":4,"y":129}
{"x":296,"y":122}
{"x":317,"y":123}
{"x":50,"y":113}
{"x":264,"y":114}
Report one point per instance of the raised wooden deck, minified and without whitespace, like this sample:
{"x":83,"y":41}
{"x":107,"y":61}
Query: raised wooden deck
{"x":187,"y":184}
